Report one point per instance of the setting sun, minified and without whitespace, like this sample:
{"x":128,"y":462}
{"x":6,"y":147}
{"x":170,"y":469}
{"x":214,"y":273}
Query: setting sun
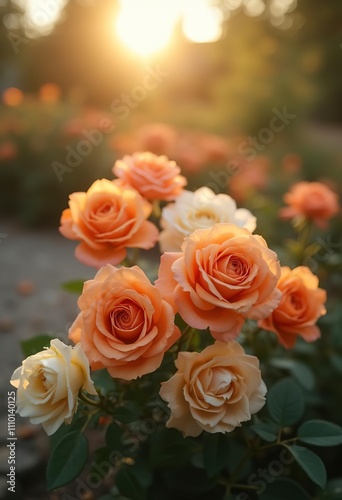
{"x":146,"y":27}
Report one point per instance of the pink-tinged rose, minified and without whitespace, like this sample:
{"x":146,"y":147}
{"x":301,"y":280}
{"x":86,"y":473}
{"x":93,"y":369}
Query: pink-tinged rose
{"x":313,"y":200}
{"x":155,"y":177}
{"x":107,"y":219}
{"x":223,"y":275}
{"x":198,"y":210}
{"x":124,"y":325}
{"x":48,"y":384}
{"x":301,"y":305}
{"x":214,"y":390}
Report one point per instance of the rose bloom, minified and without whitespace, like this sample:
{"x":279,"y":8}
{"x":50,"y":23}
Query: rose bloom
{"x":301,"y":305}
{"x":198,"y":210}
{"x":107,"y":219}
{"x":314,"y":200}
{"x":223,"y":275}
{"x":124,"y":324}
{"x":155,"y":177}
{"x":48,"y":384}
{"x":214,"y":390}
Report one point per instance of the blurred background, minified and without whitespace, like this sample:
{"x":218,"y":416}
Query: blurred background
{"x":83,"y":82}
{"x":246,"y":96}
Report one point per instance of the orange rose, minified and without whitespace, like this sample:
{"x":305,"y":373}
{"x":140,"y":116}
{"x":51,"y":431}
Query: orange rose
{"x":124,"y":325}
{"x":301,"y":305}
{"x":155,"y":177}
{"x":223,"y":275}
{"x":314,"y":200}
{"x":214,"y":390}
{"x":107,"y":219}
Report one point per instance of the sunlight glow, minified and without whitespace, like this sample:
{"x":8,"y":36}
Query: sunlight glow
{"x":146,"y":27}
{"x":41,"y":15}
{"x":202,"y":23}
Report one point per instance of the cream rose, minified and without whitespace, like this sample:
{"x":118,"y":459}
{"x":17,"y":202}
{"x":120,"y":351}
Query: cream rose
{"x":214,"y":390}
{"x":48,"y":384}
{"x":199,"y":210}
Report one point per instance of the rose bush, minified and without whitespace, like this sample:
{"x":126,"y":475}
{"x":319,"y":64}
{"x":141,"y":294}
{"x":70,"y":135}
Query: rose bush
{"x":170,"y":398}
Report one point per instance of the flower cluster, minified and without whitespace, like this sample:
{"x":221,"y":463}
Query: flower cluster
{"x":214,"y":274}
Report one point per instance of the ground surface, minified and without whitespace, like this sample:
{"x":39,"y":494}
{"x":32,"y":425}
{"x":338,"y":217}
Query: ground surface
{"x":33,"y":265}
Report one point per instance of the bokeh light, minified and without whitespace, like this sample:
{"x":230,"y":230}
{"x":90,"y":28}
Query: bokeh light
{"x":12,"y":96}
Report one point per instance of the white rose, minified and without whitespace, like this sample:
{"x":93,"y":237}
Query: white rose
{"x":199,"y":210}
{"x":48,"y":384}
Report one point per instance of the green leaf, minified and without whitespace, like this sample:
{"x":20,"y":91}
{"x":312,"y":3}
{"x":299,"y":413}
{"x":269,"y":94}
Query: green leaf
{"x":285,"y":402}
{"x":333,"y":489}
{"x":320,"y":433}
{"x":35,"y":344}
{"x":336,"y":362}
{"x":76,"y":425}
{"x":300,"y":371}
{"x":266,"y":430}
{"x":126,"y":414}
{"x":169,"y":448}
{"x":215,"y":453}
{"x":283,"y":489}
{"x":310,"y":463}
{"x":103,"y":381}
{"x":74,"y":286}
{"x":188,"y":480}
{"x":129,"y":485}
{"x":67,"y":460}
{"x":114,"y":437}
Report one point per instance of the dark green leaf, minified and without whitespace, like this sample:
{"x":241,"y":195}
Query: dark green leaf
{"x":320,"y":433}
{"x":284,"y":489}
{"x":188,"y":480}
{"x":75,"y":286}
{"x":126,"y":413}
{"x":103,"y":381}
{"x":76,"y":425}
{"x":67,"y":460}
{"x":300,"y":371}
{"x":35,"y":344}
{"x":129,"y":485}
{"x":310,"y":463}
{"x":336,"y":362}
{"x":285,"y":402}
{"x":266,"y":430}
{"x":169,"y":448}
{"x":114,"y":437}
{"x":333,"y":490}
{"x":215,"y":453}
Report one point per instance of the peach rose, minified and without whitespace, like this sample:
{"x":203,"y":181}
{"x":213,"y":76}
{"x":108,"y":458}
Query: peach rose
{"x":314,"y":200}
{"x":199,"y":210}
{"x":301,"y":305}
{"x":124,"y":324}
{"x":48,"y":384}
{"x":107,"y":219}
{"x":155,"y":177}
{"x":223,"y":275}
{"x":214,"y":390}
